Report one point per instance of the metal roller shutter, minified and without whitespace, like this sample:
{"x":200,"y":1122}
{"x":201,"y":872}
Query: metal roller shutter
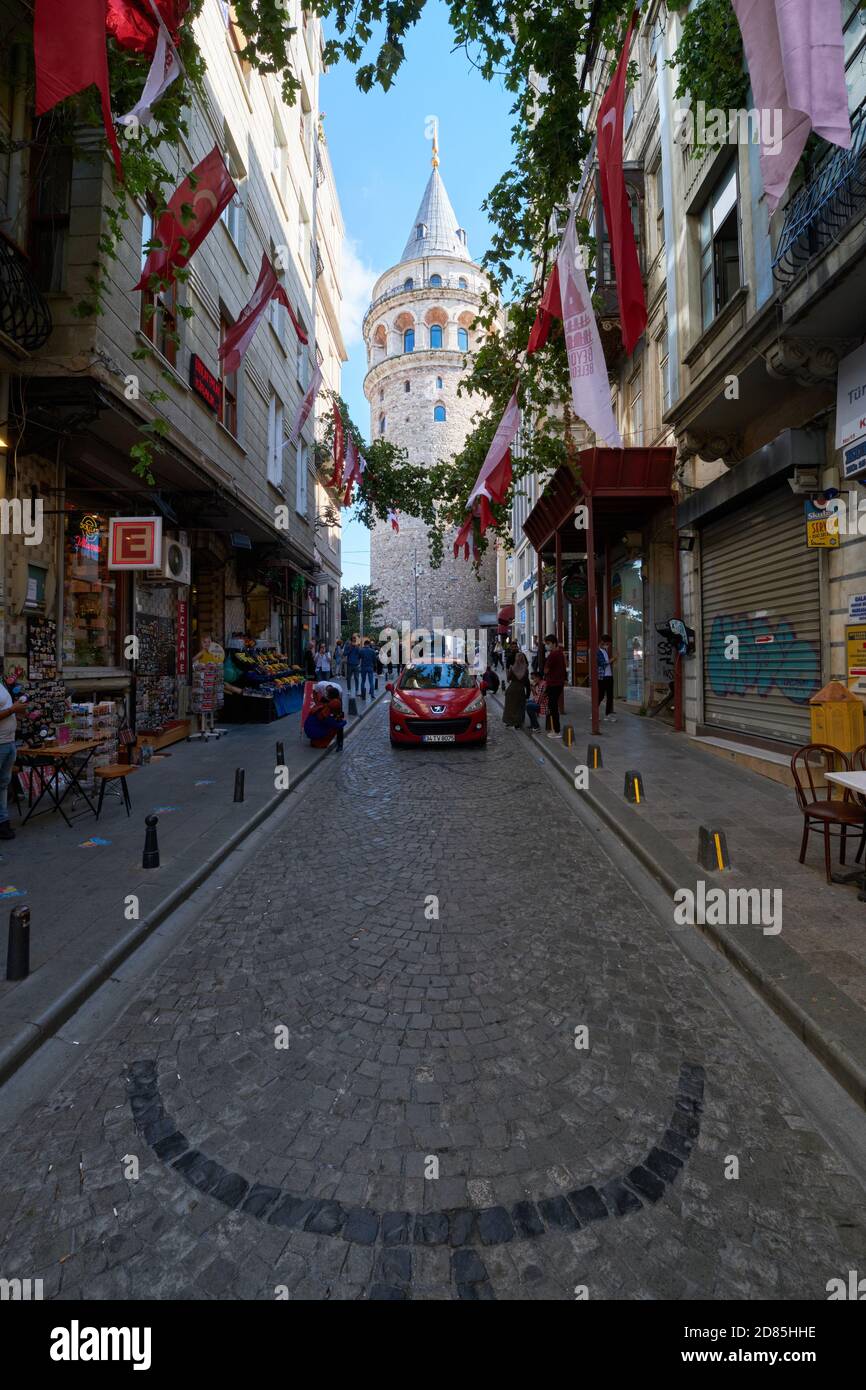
{"x":759,"y":584}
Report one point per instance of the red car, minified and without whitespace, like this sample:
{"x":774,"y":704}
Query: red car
{"x":437,"y":702}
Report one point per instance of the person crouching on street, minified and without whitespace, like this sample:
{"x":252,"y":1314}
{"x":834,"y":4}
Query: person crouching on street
{"x":325,"y":720}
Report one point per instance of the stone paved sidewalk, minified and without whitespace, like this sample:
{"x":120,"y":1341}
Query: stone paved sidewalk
{"x":77,"y":893}
{"x":430,"y":1013}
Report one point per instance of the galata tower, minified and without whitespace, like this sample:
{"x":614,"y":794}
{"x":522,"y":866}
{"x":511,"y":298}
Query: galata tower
{"x":419,"y":331}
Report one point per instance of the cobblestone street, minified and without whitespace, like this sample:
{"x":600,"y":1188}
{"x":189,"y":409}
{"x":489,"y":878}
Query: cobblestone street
{"x":430,"y":971}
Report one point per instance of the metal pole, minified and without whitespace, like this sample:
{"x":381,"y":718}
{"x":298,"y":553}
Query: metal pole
{"x":415,"y":577}
{"x":361,"y":610}
{"x":678,"y":613}
{"x":592,"y":608}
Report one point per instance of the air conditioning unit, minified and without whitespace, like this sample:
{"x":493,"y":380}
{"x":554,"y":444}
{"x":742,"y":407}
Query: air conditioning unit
{"x":176,"y":565}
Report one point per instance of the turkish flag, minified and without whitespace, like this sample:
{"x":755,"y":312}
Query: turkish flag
{"x":549,"y":310}
{"x":339,"y":448}
{"x":617,"y":209}
{"x":494,"y":478}
{"x":132,"y":23}
{"x":208,"y":189}
{"x":356,"y":468}
{"x":71,"y":54}
{"x":241,"y":333}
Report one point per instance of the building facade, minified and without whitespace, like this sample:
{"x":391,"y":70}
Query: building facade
{"x":419,"y":331}
{"x":252,"y":554}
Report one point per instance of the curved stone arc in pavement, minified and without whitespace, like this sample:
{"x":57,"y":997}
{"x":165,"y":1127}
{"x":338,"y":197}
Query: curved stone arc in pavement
{"x":462,"y":1228}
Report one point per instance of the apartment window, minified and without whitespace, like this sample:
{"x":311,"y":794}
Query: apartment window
{"x":280,"y":160}
{"x":48,"y":230}
{"x":660,"y":207}
{"x":304,"y":239}
{"x":635,"y":410}
{"x":854,"y":38}
{"x":159,"y":307}
{"x":628,"y":114}
{"x":720,"y":247}
{"x":237,"y":39}
{"x":303,"y":457}
{"x":301,"y":361}
{"x":277,"y":311}
{"x":234,"y":214}
{"x":229,"y":412}
{"x":275,"y":440}
{"x":306,"y":125}
{"x":435,"y":335}
{"x":664,"y":381}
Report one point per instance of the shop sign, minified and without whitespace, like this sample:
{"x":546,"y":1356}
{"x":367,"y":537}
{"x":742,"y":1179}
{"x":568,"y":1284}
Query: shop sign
{"x":206,"y":386}
{"x":822,"y":526}
{"x":85,"y":542}
{"x":134,"y":542}
{"x":854,"y":460}
{"x":856,"y":643}
{"x":182,"y":639}
{"x":851,"y":398}
{"x":857,"y":607}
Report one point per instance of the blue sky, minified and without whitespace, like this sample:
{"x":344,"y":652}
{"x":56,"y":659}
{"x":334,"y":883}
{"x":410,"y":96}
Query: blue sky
{"x":381,"y":160}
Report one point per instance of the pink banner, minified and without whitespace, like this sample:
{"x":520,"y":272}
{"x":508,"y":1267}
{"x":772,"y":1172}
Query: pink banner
{"x":590,"y":389}
{"x":305,"y":407}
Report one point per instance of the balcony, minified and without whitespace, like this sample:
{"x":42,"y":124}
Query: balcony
{"x":25,"y":318}
{"x":819,"y":213}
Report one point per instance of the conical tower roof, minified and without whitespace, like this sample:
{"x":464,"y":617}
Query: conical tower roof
{"x":435,"y":230}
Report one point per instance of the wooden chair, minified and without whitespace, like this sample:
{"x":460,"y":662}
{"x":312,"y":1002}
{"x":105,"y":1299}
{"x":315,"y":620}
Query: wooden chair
{"x":858,"y":764}
{"x":816,"y":801}
{"x":115,"y":772}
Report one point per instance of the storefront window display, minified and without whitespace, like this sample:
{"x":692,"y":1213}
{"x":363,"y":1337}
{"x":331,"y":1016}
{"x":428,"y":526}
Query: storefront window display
{"x":91,"y":594}
{"x":628,"y":641}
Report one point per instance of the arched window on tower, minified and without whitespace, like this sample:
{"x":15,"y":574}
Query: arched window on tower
{"x":463,"y":283}
{"x":463,"y":339}
{"x":439,"y":414}
{"x":409,"y":340}
{"x":407,"y":386}
{"x":436,"y":280}
{"x":439,"y":383}
{"x":435,"y":335}
{"x":382,"y":424}
{"x":409,"y":284}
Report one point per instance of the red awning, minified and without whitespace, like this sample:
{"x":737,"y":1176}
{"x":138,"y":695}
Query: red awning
{"x":506,"y":614}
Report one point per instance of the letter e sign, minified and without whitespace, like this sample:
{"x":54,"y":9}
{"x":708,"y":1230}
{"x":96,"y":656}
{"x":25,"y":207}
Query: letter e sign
{"x":135,"y":542}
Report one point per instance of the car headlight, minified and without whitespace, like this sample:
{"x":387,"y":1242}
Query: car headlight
{"x":400,"y":705}
{"x":477,"y":703}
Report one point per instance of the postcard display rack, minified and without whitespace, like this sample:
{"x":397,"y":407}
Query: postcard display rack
{"x":156,"y":674}
{"x":206,"y":693}
{"x":97,"y":720}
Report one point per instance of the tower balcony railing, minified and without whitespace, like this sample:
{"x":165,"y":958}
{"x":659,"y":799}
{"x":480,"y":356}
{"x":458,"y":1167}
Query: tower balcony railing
{"x":474,"y":288}
{"x":25,"y":318}
{"x":819,"y":213}
{"x":448,"y":357}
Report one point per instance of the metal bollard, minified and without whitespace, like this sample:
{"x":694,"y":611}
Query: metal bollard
{"x":593,"y":755}
{"x":239,"y":784}
{"x":353,"y":706}
{"x":18,"y":949}
{"x":281,"y":755}
{"x":150,"y":858}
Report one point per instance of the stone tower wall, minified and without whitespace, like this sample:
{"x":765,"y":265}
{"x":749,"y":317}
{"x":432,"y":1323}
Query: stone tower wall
{"x":451,"y":595}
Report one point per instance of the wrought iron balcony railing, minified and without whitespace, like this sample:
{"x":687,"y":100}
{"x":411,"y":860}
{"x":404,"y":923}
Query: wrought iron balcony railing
{"x":821,"y":210}
{"x":25,"y":317}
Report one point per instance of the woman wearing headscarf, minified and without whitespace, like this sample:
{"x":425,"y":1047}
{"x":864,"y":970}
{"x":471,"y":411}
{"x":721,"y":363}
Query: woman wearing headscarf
{"x":516,"y":692}
{"x":325,"y":719}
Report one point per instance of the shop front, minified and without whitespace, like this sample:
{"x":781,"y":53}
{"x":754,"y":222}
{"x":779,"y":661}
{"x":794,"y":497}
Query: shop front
{"x":607,"y":529}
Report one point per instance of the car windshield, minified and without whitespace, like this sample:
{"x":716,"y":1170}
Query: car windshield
{"x":439,"y":675}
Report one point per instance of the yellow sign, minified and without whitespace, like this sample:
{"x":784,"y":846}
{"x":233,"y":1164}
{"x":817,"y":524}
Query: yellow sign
{"x":821,"y":529}
{"x":856,"y":642}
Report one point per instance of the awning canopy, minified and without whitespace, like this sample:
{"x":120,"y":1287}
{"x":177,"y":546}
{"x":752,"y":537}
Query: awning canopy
{"x":627,"y":484}
{"x":506,"y":613}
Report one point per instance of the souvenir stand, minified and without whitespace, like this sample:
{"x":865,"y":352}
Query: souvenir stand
{"x":207,"y":688}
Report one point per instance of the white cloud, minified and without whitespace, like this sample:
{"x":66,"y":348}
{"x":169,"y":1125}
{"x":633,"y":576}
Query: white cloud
{"x":358,"y":281}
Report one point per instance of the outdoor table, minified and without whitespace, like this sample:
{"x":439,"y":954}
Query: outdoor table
{"x":852,"y":782}
{"x":61,"y":757}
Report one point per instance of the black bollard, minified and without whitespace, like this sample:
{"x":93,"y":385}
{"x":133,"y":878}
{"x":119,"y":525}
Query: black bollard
{"x":353,"y":706}
{"x":150,"y":858}
{"x":18,"y":950}
{"x":239,"y":784}
{"x":281,"y":755}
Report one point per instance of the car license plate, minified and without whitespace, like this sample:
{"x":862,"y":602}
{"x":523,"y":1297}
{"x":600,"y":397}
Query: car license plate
{"x":437,"y":738}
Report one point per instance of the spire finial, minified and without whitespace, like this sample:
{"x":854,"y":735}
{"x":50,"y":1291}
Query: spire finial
{"x":435,"y":159}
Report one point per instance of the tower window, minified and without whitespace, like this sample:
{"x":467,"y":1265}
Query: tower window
{"x":439,"y":413}
{"x":381,"y":393}
{"x":421,"y":231}
{"x":463,"y":339}
{"x":436,"y":335}
{"x":439,"y":383}
{"x":463,"y":283}
{"x":382,"y":423}
{"x":436,"y":280}
{"x":407,"y":386}
{"x":409,"y":284}
{"x":409,"y":340}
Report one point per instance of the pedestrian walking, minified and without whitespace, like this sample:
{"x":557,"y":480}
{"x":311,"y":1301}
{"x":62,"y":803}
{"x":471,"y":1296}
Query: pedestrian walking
{"x":9,"y":708}
{"x":323,"y":662}
{"x":338,"y":658}
{"x":516,"y":693}
{"x":537,"y":662}
{"x":533,"y":704}
{"x":352,"y":653}
{"x":497,"y":653}
{"x":554,"y":681}
{"x":605,"y":677}
{"x":368,"y":667}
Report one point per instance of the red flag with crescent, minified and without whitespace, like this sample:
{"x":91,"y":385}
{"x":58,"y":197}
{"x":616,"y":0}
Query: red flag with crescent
{"x":339,"y":448}
{"x":207,"y":191}
{"x":242,"y":332}
{"x":549,"y":310}
{"x":617,"y":209}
